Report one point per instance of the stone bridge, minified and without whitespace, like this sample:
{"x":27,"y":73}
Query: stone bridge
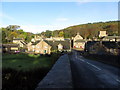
{"x":59,"y":76}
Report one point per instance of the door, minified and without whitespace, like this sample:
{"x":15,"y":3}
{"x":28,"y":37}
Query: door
{"x":44,"y":51}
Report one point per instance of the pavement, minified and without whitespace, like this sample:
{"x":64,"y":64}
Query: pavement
{"x":93,"y":74}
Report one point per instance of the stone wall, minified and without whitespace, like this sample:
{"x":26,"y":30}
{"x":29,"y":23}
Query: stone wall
{"x":59,"y":76}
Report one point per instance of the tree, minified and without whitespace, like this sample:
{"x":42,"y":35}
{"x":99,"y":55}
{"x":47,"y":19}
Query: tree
{"x":61,"y":34}
{"x":12,"y":35}
{"x":13,"y":27}
{"x":29,"y":36}
{"x":48,"y":33}
{"x":55,"y":33}
{"x":4,"y":40}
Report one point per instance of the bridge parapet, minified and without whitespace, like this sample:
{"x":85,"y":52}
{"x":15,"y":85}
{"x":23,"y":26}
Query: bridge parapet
{"x":59,"y":76}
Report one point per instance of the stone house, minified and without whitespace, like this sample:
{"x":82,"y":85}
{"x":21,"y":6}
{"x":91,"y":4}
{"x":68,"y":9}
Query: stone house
{"x":37,"y":38}
{"x":60,"y":47}
{"x":78,"y":42}
{"x":77,"y":37}
{"x":10,"y":48}
{"x":97,"y":48}
{"x":20,"y":42}
{"x":46,"y":47}
{"x":111,"y":38}
{"x":112,"y":47}
{"x":17,"y":40}
{"x":39,"y":47}
{"x":104,"y":47}
{"x":55,"y":39}
{"x":102,"y":34}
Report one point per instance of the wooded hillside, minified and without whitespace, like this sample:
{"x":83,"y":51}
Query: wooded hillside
{"x":14,"y":31}
{"x":89,"y":30}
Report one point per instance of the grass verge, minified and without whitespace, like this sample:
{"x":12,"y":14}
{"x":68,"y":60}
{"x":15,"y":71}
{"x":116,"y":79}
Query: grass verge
{"x":25,"y":71}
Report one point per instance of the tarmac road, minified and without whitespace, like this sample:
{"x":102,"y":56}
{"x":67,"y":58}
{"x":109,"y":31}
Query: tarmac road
{"x":92,"y":74}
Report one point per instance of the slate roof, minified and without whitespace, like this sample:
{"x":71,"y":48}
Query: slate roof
{"x":35,"y":43}
{"x":10,"y":45}
{"x":111,"y":37}
{"x":80,"y":40}
{"x":108,"y":44}
{"x":54,"y":44}
{"x":24,"y":43}
{"x":89,"y":44}
{"x":17,"y":39}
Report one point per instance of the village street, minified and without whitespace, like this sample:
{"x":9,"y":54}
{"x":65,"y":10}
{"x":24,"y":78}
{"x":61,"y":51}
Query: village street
{"x":92,"y":74}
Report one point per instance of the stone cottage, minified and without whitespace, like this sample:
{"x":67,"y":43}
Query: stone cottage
{"x":10,"y":48}
{"x":20,"y":42}
{"x":103,"y":47}
{"x":46,"y":47}
{"x":78,"y":42}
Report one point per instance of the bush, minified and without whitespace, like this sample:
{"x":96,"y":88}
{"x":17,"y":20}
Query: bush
{"x":18,"y":80}
{"x":25,"y":71}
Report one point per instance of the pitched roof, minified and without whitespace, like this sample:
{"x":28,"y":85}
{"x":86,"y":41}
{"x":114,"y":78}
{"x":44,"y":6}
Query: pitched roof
{"x":54,"y":44}
{"x":35,"y":43}
{"x":90,"y":43}
{"x":111,"y":37}
{"x":109,"y":45}
{"x":17,"y":39}
{"x":24,"y":43}
{"x":80,"y":40}
{"x":10,"y":45}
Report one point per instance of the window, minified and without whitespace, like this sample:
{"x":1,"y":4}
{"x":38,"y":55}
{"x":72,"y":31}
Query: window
{"x":45,"y":47}
{"x":33,"y":46}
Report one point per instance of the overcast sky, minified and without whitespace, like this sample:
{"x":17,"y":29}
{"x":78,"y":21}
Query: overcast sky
{"x":40,"y":16}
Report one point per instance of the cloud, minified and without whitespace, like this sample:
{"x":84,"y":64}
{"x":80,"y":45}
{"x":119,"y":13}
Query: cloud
{"x":62,"y":19}
{"x":5,"y":16}
{"x":41,"y":28}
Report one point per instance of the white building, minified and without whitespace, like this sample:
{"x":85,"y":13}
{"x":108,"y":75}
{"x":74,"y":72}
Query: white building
{"x":102,"y":34}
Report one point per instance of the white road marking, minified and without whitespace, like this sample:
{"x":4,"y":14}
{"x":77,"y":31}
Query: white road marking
{"x":118,"y":80}
{"x":87,"y":62}
{"x":90,"y":64}
{"x":82,"y":60}
{"x":78,"y":57}
{"x":93,"y":66}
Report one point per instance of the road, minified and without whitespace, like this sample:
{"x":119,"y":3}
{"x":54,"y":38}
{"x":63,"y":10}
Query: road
{"x":92,"y":74}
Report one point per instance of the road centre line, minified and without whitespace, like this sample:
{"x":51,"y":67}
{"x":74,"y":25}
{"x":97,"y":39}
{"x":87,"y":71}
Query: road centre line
{"x":86,"y":62}
{"x":118,"y":80}
{"x":82,"y":60}
{"x":90,"y":64}
{"x":93,"y":66}
{"x":78,"y":57}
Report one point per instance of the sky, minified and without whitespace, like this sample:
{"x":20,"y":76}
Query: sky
{"x":36,"y":17}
